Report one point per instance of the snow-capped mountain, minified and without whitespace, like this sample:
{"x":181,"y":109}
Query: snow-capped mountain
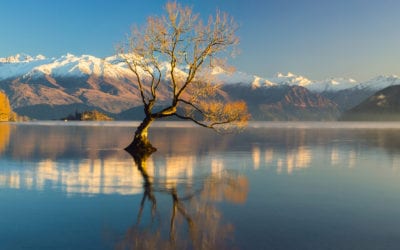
{"x":22,"y":65}
{"x":291,"y":79}
{"x":106,"y":83}
{"x":83,"y":80}
{"x":332,"y":84}
{"x":21,"y":58}
{"x":380,"y":82}
{"x":238,"y":77}
{"x":68,"y":65}
{"x":78,"y":66}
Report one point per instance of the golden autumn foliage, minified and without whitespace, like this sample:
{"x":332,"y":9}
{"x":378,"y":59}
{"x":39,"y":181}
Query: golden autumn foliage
{"x":5,"y":109}
{"x":225,"y":116}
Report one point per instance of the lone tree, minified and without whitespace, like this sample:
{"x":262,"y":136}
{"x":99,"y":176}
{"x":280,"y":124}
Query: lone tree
{"x":174,"y":55}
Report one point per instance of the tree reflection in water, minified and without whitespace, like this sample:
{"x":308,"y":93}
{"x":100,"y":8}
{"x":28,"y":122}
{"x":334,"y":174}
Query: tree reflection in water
{"x":5,"y":131}
{"x":193,"y":221}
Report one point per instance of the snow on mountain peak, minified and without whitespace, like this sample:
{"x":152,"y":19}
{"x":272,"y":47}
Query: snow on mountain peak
{"x":218,"y":70}
{"x":240,"y":77}
{"x":283,"y":75}
{"x":69,"y":56}
{"x":381,"y":82}
{"x":66,"y":65}
{"x":19,"y":65}
{"x":40,"y":57}
{"x":71,"y":65}
{"x":332,"y":84}
{"x":21,"y":58}
{"x":290,"y":79}
{"x":386,"y":78}
{"x":16,"y":58}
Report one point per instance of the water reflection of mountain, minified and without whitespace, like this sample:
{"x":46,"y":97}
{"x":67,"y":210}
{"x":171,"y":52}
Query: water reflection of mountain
{"x":104,"y":176}
{"x":89,"y":159}
{"x":30,"y":142}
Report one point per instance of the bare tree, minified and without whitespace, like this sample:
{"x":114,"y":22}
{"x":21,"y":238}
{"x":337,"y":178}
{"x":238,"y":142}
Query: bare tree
{"x":176,"y":53}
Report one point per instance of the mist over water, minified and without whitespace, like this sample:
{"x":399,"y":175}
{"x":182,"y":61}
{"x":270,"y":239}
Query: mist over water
{"x":276,"y":185}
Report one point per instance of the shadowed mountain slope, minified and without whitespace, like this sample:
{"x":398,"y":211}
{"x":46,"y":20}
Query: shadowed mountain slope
{"x":384,"y":105}
{"x":284,"y":103}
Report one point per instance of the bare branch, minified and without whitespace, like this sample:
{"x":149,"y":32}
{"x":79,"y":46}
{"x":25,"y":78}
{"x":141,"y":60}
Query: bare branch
{"x":134,"y":69}
{"x":192,"y":105}
{"x":192,"y":119}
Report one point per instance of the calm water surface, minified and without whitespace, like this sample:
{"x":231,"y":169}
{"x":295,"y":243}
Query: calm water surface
{"x":274,"y":186}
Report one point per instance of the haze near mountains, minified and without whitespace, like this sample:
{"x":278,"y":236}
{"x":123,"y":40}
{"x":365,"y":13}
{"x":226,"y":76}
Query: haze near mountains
{"x":50,"y":88}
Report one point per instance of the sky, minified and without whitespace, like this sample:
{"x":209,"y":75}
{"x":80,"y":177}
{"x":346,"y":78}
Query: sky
{"x":318,"y":39}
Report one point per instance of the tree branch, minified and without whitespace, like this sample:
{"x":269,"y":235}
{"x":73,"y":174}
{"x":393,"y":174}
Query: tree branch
{"x":192,"y":119}
{"x":192,"y":105}
{"x":134,"y":70}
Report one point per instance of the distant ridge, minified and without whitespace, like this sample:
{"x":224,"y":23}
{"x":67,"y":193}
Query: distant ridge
{"x":55,"y":112}
{"x":284,"y":103}
{"x":384,"y":105}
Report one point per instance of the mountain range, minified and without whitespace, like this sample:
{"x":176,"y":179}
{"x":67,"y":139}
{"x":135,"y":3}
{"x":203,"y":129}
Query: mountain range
{"x":51,"y":88}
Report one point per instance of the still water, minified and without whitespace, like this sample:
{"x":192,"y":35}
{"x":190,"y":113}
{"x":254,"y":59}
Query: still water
{"x":274,"y":186}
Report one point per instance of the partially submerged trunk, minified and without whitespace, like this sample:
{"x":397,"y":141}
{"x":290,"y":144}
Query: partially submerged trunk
{"x":141,"y":146}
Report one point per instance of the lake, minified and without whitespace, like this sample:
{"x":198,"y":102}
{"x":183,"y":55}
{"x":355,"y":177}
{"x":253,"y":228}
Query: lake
{"x":299,"y":185}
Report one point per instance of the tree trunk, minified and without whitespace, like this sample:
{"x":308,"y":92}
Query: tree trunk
{"x":140,"y":146}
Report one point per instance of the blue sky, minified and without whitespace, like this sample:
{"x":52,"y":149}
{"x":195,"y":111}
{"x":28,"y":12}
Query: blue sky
{"x":314,"y":38}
